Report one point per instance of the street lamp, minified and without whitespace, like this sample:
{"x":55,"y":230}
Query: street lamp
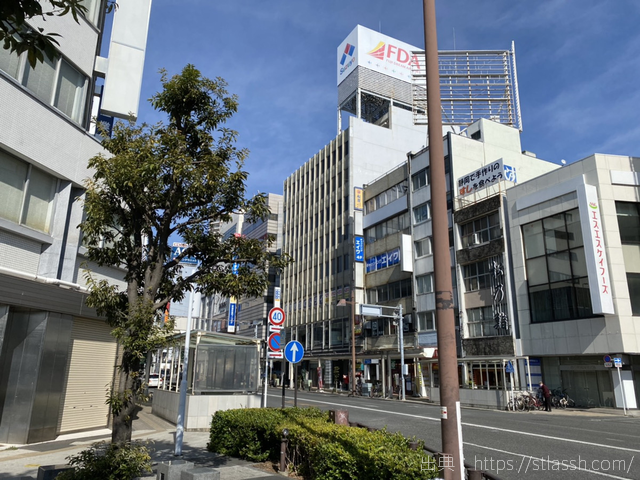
{"x":343,"y":303}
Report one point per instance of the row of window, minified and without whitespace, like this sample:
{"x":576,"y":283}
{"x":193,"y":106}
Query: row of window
{"x":397,"y":191}
{"x":481,"y":230}
{"x":384,"y":229}
{"x":556,"y":268}
{"x":318,"y":168}
{"x":56,"y":83}
{"x":390,"y":291}
{"x":629,"y":224}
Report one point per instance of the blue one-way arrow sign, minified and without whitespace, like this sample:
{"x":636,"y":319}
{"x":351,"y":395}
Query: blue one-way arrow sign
{"x":294,"y":351}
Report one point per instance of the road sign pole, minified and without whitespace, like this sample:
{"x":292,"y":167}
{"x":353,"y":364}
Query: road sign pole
{"x":284,"y":376}
{"x":295,"y":388}
{"x":266,"y":364}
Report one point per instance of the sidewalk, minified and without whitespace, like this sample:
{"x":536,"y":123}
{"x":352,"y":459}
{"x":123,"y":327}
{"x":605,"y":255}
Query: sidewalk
{"x":587,"y":412}
{"x":23,"y":462}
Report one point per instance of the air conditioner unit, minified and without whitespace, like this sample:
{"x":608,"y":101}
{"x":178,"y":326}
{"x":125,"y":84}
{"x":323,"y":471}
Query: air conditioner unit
{"x":474,"y":239}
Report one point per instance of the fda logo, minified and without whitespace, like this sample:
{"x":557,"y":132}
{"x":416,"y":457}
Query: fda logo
{"x":510,"y":173}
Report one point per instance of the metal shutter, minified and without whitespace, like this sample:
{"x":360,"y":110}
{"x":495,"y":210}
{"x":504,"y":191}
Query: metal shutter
{"x":91,"y":368}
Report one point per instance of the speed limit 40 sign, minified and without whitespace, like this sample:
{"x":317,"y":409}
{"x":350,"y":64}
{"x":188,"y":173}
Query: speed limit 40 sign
{"x":276,"y":317}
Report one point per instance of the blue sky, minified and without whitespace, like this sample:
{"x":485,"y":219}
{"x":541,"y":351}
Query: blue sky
{"x":578,"y":67}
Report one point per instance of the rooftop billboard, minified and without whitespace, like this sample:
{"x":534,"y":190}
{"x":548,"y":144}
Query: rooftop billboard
{"x":377,"y":52}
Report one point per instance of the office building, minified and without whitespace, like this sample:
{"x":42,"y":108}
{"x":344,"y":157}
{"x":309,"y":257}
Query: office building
{"x":57,"y":355}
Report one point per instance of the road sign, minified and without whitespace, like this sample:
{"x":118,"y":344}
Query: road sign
{"x":276,"y":316}
{"x":274,"y":341}
{"x":607,"y":358}
{"x":617,"y":362}
{"x":509,"y":367}
{"x":294,"y":351}
{"x":608,"y":364}
{"x":277,"y":354}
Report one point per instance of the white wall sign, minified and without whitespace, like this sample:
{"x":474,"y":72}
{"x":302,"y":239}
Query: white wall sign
{"x":595,"y":251}
{"x":377,"y":52}
{"x":485,"y":177}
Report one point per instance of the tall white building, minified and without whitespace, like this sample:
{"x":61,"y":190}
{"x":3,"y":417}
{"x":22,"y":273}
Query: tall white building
{"x":323,"y":203}
{"x":56,"y":355}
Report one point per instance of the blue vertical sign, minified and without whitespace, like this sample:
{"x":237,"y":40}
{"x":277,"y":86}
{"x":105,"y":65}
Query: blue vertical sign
{"x":359,"y":247}
{"x":232,"y":317}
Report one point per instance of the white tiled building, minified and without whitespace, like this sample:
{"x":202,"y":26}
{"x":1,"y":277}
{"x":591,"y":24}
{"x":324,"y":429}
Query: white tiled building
{"x":45,"y":143}
{"x":575,"y":237}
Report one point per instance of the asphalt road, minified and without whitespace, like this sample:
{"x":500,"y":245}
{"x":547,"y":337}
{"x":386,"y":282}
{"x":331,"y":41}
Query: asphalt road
{"x":513,"y":445}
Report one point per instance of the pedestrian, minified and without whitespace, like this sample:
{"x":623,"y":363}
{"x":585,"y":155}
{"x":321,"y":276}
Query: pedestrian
{"x":546,"y":393}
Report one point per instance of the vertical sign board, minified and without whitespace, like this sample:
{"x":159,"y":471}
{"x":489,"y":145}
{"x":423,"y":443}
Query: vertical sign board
{"x":233,"y":310}
{"x":359,"y":248}
{"x":358,"y":196}
{"x":595,"y":250}
{"x":277,"y":293}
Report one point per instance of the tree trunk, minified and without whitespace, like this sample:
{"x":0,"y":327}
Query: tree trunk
{"x":122,"y":427}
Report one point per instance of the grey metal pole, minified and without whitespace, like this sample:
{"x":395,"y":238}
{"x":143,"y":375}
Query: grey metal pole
{"x":401,"y":346}
{"x":183,"y":383}
{"x":445,"y":318}
{"x":266,"y":364}
{"x":353,"y":342}
{"x":295,"y":388}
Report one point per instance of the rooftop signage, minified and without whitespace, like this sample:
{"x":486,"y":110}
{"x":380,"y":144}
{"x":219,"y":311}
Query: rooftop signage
{"x":377,"y":52}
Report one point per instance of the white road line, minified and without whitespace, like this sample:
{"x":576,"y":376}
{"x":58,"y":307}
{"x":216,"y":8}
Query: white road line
{"x":566,"y":466}
{"x":612,"y":447}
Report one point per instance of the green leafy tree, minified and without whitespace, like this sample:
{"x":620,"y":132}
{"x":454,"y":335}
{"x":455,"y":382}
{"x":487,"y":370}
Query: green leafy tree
{"x":177,"y":178}
{"x":16,"y":36}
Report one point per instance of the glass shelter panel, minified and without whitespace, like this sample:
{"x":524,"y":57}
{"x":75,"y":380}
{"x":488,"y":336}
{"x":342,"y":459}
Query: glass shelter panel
{"x":226,"y":368}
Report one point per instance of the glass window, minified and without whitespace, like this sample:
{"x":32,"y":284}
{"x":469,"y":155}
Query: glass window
{"x":480,"y":322}
{"x":93,"y":10}
{"x":477,"y":275}
{"x":33,"y":208}
{"x":70,"y":91}
{"x":426,"y":321}
{"x":55,"y":83}
{"x":423,"y":247}
{"x":420,"y":179}
{"x":421,"y":213}
{"x":534,"y":241}
{"x":39,"y":200}
{"x":424,"y":284}
{"x":556,"y":268}
{"x":629,"y":225}
{"x":13,"y":175}
{"x":555,"y":234}
{"x":481,"y":230}
{"x":9,"y":62}
{"x":40,"y":80}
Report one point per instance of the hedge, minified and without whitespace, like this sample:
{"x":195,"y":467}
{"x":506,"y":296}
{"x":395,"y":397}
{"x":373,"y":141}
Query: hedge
{"x":318,"y":449}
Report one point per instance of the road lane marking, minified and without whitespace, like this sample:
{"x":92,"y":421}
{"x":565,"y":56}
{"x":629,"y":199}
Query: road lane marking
{"x":517,"y":432}
{"x":568,"y":466}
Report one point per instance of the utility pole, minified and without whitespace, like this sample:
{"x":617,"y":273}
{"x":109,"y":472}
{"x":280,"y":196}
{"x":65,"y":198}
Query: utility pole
{"x":445,"y":318}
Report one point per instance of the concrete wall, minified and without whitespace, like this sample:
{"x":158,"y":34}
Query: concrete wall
{"x":199,"y":408}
